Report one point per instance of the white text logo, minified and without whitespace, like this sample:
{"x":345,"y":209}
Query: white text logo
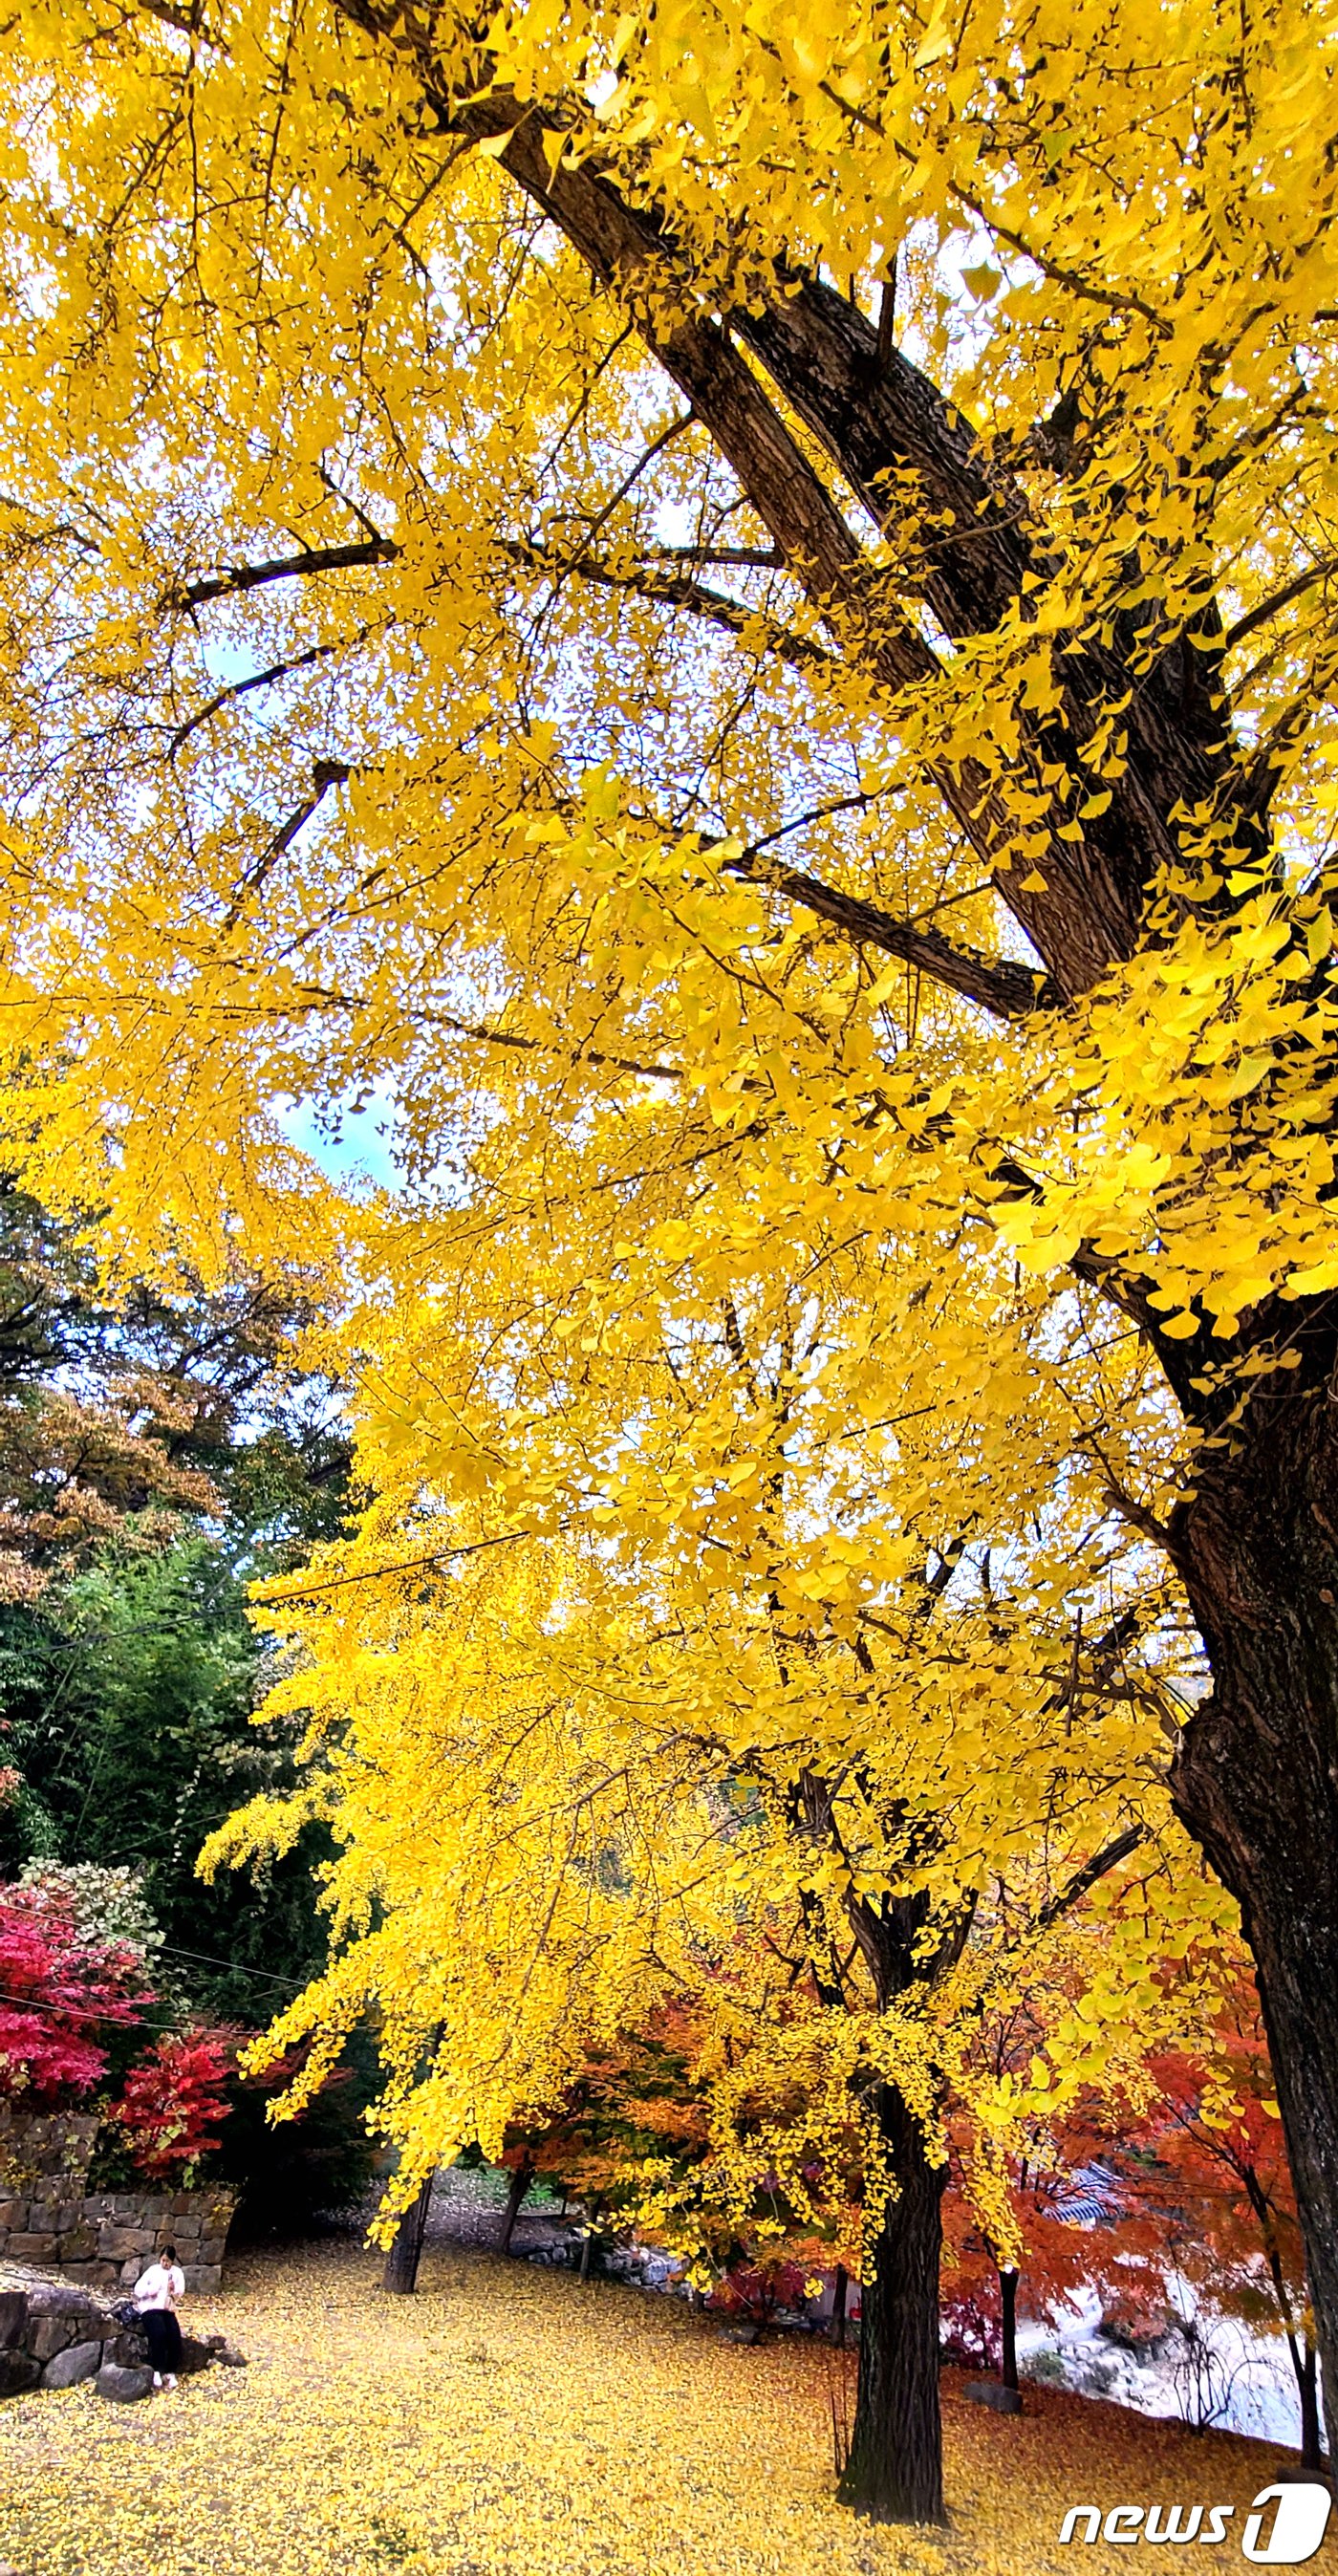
{"x":1294,"y":2531}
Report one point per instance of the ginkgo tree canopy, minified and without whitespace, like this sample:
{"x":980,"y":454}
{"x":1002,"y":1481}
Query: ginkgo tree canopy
{"x":387,"y":620}
{"x":738,"y":622}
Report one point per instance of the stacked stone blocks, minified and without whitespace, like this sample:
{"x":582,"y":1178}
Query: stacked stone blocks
{"x":99,"y":2239}
{"x":105,"y":2239}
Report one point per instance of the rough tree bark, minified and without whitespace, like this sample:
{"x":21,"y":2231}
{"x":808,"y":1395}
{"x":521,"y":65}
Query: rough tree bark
{"x":401,"y":2272}
{"x":1256,"y":1772}
{"x":895,"y":2469}
{"x":588,"y":2242}
{"x":1305,"y":2364}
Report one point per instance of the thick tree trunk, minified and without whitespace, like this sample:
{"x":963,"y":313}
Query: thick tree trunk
{"x":521,"y":2179}
{"x":401,"y":2272}
{"x":1255,"y":1778}
{"x":1008,"y":2310}
{"x":895,"y":2469}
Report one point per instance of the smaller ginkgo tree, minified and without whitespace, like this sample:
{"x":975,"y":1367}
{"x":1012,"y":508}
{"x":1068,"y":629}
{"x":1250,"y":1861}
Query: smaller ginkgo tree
{"x":568,"y":1791}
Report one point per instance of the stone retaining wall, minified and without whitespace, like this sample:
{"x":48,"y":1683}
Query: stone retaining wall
{"x":37,"y":2146}
{"x":104,"y":2240}
{"x":55,"y":2336}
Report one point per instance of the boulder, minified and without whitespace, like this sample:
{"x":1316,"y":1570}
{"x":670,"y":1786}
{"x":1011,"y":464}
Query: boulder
{"x":58,"y":2299}
{"x":17,"y":2372}
{"x":129,"y":2348}
{"x":49,"y":2335}
{"x":123,"y":2386}
{"x":78,"y":2361}
{"x":196,"y":2355}
{"x":13,"y":2317}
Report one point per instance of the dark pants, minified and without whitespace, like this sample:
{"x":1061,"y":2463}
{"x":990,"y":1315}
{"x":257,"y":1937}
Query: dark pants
{"x":163,"y":2336}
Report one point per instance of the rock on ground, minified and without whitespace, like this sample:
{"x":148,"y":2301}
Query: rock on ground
{"x":78,"y":2361}
{"x":125,"y":2386}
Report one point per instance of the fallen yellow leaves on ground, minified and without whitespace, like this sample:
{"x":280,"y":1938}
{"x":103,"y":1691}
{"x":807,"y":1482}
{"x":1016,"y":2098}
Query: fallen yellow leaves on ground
{"x":513,"y":2422}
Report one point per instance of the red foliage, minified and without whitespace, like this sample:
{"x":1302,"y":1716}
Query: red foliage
{"x":1206,"y":2177}
{"x":1195,"y":2188}
{"x":756,"y":2290}
{"x":172,"y":2109}
{"x":56,"y":1991}
{"x":1083,"y":2230}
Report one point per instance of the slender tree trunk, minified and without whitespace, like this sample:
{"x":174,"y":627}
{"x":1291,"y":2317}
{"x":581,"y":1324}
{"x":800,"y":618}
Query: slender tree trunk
{"x":1255,"y":1778}
{"x":590,"y":2234}
{"x":401,"y":2272}
{"x":895,"y":2469}
{"x":521,"y":2179}
{"x":1008,"y":2311}
{"x":1299,"y":2345}
{"x":1304,"y":2360}
{"x":839,"y":2291}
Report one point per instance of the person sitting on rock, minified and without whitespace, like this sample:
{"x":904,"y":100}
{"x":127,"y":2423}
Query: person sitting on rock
{"x":156,"y":2294}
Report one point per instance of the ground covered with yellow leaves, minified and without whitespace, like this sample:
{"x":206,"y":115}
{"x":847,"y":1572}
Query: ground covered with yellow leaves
{"x":516,"y":2422}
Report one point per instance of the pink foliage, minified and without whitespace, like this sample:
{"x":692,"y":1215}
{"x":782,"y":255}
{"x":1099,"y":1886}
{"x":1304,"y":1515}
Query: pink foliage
{"x":56,"y":1993}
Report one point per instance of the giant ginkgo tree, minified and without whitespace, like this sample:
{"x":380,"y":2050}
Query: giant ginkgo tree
{"x":664,"y":590}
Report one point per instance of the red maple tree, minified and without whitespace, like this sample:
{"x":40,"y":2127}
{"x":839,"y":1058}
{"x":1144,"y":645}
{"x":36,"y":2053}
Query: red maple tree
{"x":1207,"y":2185}
{"x":56,"y":1993}
{"x":173,"y":2107}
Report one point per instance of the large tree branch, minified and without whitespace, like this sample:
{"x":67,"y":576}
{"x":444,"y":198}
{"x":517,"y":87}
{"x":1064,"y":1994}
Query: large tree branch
{"x":822,"y":356}
{"x":298,"y":567}
{"x":878,"y":416}
{"x":678,"y":590}
{"x":486,"y":1035}
{"x":325,"y":774}
{"x":630,"y":251}
{"x":242,"y":689}
{"x":630,"y":254}
{"x":1085,"y":1879}
{"x":1006,"y":990}
{"x":1277,"y":600}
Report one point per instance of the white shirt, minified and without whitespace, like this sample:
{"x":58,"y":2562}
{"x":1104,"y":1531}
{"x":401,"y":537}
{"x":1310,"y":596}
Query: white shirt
{"x":160,"y":2287}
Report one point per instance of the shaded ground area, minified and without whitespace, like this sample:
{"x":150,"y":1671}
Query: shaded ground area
{"x":514,"y":2421}
{"x":468,"y":2208}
